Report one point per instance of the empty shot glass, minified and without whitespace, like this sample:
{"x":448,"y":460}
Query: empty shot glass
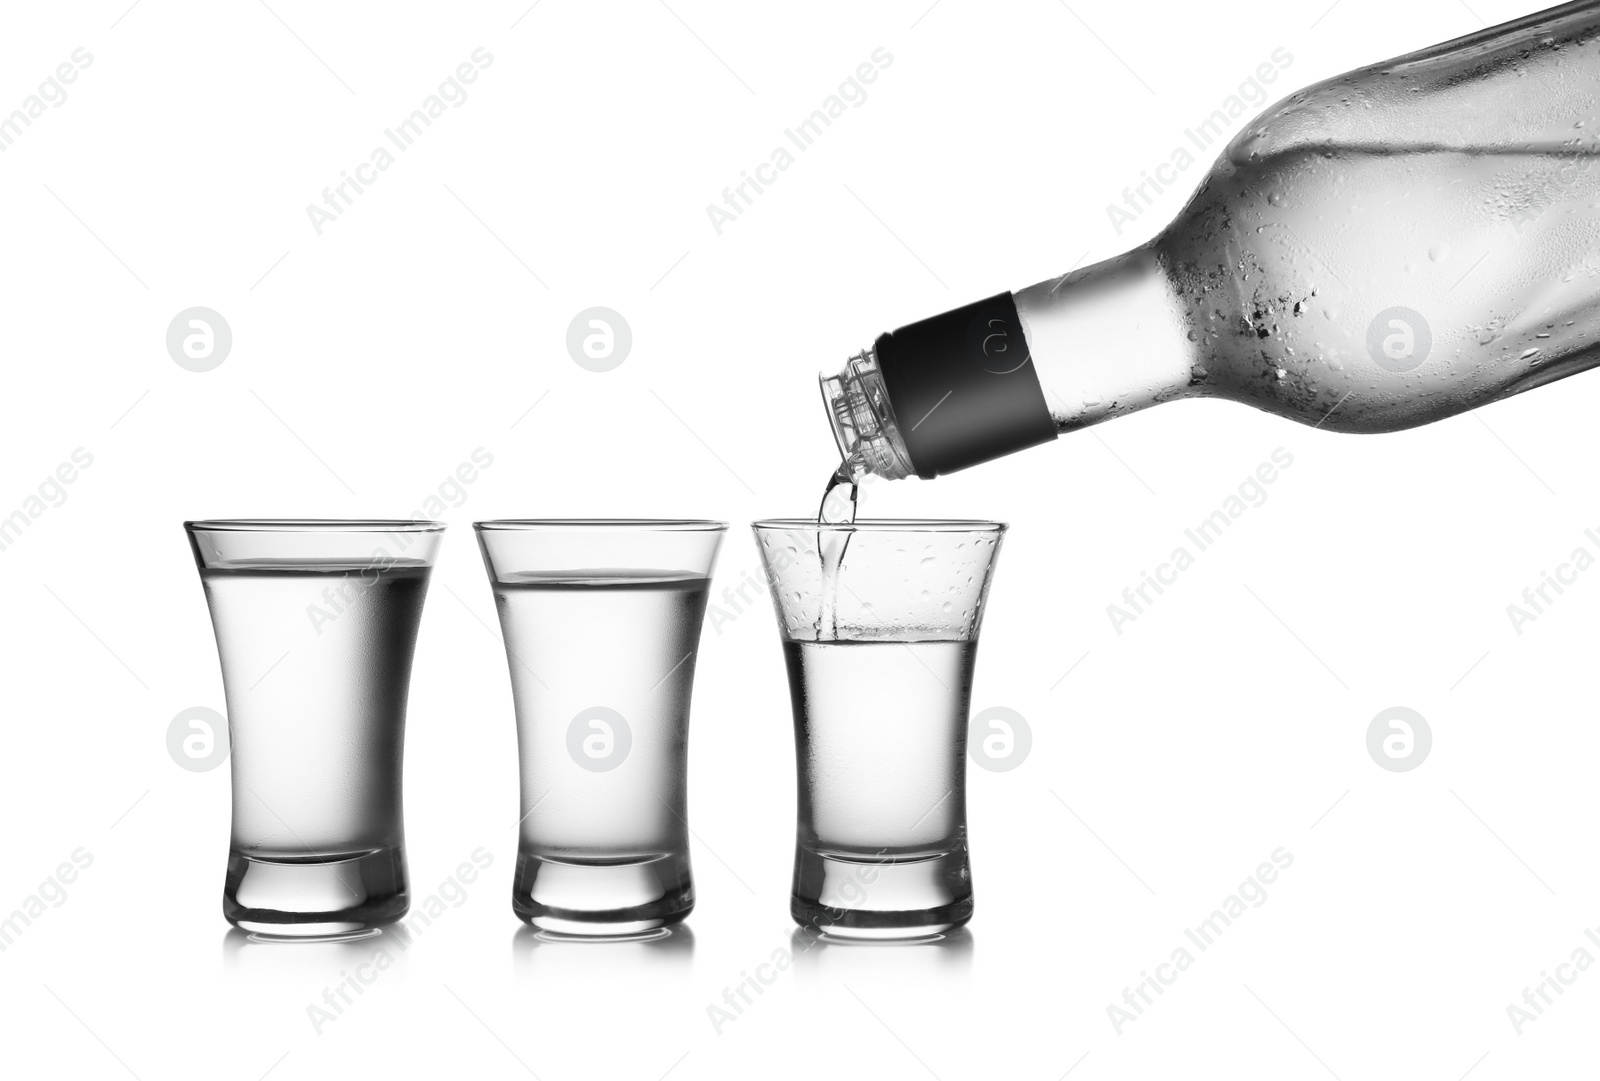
{"x":601,"y":620}
{"x":879,"y":621}
{"x":316,"y":623}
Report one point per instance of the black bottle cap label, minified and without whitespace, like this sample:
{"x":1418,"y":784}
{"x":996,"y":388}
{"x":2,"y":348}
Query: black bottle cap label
{"x":963,"y":387}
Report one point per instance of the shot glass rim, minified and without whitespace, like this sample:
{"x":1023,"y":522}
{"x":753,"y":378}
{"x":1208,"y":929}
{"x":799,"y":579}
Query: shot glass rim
{"x":883,"y":525}
{"x":313,"y":525}
{"x":643,"y":525}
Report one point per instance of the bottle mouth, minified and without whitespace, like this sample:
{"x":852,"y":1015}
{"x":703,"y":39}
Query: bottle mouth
{"x":862,"y":420}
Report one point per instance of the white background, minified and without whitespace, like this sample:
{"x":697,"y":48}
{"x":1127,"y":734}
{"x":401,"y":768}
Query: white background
{"x":370,"y":360}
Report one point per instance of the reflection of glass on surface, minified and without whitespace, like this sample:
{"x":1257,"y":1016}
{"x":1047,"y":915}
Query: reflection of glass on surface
{"x":902,"y":960}
{"x":304,"y":961}
{"x":549,"y":959}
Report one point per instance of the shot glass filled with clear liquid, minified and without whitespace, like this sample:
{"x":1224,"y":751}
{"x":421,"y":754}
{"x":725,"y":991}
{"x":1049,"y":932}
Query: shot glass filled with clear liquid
{"x":601,"y":620}
{"x":879,"y":621}
{"x":315,"y":622}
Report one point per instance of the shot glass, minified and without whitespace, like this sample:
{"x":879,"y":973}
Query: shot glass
{"x":316,"y":623}
{"x":879,"y":622}
{"x":601,"y":620}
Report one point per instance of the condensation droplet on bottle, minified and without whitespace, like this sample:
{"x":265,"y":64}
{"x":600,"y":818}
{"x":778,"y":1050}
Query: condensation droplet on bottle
{"x":1439,"y":252}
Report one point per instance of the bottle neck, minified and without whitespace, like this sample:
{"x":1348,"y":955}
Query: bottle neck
{"x":943,"y":394}
{"x":1010,"y":372}
{"x":1109,"y":339}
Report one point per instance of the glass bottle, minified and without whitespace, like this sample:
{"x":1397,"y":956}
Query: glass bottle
{"x":1378,"y":251}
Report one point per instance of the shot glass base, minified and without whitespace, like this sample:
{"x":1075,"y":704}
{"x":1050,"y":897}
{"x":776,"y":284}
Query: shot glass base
{"x":602,"y":898}
{"x":319,"y":896}
{"x":881,"y":897}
